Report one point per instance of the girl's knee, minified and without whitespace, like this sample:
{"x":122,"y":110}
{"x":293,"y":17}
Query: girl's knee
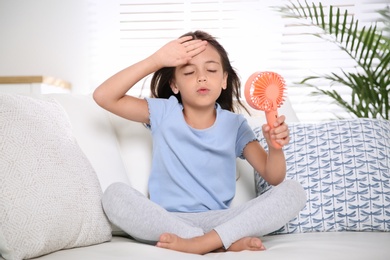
{"x":111,"y":193}
{"x":115,"y":187}
{"x":295,"y":191}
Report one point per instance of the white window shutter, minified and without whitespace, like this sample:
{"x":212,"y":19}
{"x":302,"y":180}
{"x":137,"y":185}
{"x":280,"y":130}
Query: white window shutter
{"x":254,"y":34}
{"x":306,"y":55}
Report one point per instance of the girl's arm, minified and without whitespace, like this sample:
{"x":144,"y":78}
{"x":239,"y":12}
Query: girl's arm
{"x":271,"y":166}
{"x":111,"y":94}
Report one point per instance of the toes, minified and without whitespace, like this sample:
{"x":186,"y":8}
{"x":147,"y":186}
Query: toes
{"x":256,"y":244}
{"x":163,"y":238}
{"x":166,"y":238}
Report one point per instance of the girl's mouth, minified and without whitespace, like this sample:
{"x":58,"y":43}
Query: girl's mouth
{"x":203,"y":91}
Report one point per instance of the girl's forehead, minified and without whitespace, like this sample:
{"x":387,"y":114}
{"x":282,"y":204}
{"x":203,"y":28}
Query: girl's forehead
{"x":209,"y":55}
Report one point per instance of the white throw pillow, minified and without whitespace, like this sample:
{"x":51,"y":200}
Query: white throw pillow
{"x":50,"y":197}
{"x":344,"y":166}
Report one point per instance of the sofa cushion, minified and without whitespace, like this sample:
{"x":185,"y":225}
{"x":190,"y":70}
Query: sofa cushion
{"x":50,"y":197}
{"x":95,"y":135}
{"x":344,"y":166}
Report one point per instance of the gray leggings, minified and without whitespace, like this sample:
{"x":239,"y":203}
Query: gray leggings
{"x":145,"y":221}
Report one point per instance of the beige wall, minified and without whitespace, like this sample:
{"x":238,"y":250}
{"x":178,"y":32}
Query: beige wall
{"x":45,"y":37}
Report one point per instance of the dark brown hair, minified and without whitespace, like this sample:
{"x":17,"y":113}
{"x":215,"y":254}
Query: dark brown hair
{"x":160,"y":83}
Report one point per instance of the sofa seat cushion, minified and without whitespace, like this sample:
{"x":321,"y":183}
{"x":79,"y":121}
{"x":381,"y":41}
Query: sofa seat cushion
{"x":318,"y":246}
{"x":95,"y":135}
{"x":50,"y":197}
{"x":344,"y":166}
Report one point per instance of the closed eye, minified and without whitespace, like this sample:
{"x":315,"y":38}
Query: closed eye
{"x":212,"y":71}
{"x":188,"y":73}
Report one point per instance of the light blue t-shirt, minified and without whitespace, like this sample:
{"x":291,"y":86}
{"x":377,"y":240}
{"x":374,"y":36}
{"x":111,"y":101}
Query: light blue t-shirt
{"x":194,"y":170}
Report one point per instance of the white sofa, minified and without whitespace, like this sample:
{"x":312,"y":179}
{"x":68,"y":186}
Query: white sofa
{"x":119,"y":150}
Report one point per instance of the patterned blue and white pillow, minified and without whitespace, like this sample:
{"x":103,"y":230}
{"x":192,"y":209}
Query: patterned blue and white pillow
{"x":344,"y":166}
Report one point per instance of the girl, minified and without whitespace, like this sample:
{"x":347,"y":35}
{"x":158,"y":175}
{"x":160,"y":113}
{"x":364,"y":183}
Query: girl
{"x":196,"y":139}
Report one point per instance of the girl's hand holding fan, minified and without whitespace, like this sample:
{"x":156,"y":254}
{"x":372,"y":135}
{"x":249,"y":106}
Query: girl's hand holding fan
{"x":265,"y":91}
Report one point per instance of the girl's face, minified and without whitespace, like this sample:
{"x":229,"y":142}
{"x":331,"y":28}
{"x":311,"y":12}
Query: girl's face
{"x":201,"y":80}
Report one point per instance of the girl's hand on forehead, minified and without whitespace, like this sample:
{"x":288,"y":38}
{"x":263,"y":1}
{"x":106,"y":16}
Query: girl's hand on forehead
{"x":178,"y":52}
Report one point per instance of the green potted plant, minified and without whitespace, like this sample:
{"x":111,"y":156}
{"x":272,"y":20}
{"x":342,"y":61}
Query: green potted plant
{"x":369,"y":47}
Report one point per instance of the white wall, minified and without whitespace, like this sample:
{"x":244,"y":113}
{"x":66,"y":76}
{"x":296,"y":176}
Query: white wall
{"x":45,"y":37}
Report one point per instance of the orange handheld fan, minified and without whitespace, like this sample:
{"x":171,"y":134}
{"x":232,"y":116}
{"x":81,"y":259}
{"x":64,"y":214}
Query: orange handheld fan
{"x":265,"y":91}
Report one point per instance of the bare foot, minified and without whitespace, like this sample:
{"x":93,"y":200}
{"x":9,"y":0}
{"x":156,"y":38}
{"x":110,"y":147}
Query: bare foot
{"x":247,"y":243}
{"x":209,"y":242}
{"x":196,"y":245}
